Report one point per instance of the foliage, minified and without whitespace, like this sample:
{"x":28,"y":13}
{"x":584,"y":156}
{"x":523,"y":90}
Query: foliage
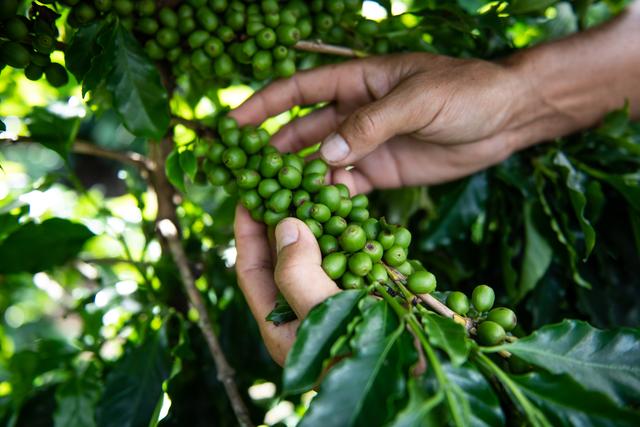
{"x":97,"y":328}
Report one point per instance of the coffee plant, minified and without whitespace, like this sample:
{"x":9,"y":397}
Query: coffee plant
{"x":505,"y":298}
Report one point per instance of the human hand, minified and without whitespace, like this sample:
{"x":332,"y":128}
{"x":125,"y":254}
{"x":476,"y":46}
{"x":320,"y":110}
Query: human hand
{"x":405,"y":119}
{"x":296,"y":273}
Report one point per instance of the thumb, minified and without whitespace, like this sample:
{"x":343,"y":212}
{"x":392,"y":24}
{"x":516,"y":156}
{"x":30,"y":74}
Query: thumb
{"x":364,"y":130}
{"x":299,"y":274}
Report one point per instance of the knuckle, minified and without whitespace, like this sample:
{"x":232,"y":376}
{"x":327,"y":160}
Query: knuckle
{"x":364,"y":123}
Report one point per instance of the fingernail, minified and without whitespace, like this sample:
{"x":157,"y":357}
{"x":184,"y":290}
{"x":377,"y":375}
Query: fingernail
{"x":334,"y":148}
{"x":286,"y":234}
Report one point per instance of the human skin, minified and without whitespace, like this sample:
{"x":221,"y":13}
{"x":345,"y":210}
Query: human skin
{"x":418,"y":119}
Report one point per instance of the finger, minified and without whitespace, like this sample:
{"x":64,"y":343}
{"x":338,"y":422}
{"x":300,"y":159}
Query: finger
{"x":307,"y":130}
{"x":303,"y":88}
{"x":353,"y":179}
{"x":299,"y":274}
{"x":368,"y":127}
{"x":254,"y":265}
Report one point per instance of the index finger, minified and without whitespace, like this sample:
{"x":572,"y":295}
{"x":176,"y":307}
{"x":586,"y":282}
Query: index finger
{"x":254,"y":265}
{"x":321,"y":84}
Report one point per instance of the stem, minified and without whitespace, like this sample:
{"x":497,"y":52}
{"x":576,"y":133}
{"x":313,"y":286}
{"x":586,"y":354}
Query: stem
{"x":533,"y":413}
{"x":169,"y":231}
{"x":318,"y":46}
{"x":81,"y":146}
{"x":414,"y":325}
{"x":400,"y":279}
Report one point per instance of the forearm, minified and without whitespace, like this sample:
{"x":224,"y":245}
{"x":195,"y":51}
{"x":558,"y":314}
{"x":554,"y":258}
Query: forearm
{"x":574,"y":82}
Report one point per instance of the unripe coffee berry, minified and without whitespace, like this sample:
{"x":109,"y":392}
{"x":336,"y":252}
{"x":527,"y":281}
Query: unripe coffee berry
{"x":490,"y":333}
{"x":335,"y":265}
{"x":503,"y":317}
{"x":421,"y":282}
{"x":458,"y":302}
{"x":483,"y":298}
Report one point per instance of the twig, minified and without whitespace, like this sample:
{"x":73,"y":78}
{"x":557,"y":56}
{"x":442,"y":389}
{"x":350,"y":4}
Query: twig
{"x":200,"y":128}
{"x":318,"y":46}
{"x":81,"y":146}
{"x":169,"y":231}
{"x":113,"y":260}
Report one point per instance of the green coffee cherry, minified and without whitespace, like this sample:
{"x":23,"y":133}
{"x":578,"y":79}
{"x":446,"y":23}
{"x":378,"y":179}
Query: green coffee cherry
{"x":317,"y":166}
{"x":402,"y":237}
{"x":503,"y":317}
{"x":371,"y":226}
{"x":289,"y":177}
{"x":271,"y":164}
{"x":207,"y":19}
{"x":231,"y":137}
{"x":335,"y":265}
{"x":288,"y":35}
{"x":421,"y":282}
{"x":359,"y":214}
{"x":250,"y":199}
{"x":483,"y":298}
{"x":344,"y":209}
{"x":378,"y":273}
{"x":218,"y":175}
{"x":328,"y":244}
{"x":395,"y":256}
{"x":374,"y":250}
{"x":293,"y":161}
{"x":147,"y":26}
{"x":458,"y":302}
{"x":226,"y":123}
{"x":267,"y":187}
{"x":304,"y":210}
{"x":168,"y":17}
{"x":329,"y":196}
{"x":14,"y":55}
{"x":56,"y":75}
{"x":360,"y":201}
{"x":335,"y":226}
{"x":352,"y":281}
{"x":360,"y":264}
{"x":386,"y":239}
{"x":146,"y":7}
{"x":320,"y":213}
{"x":266,"y":38}
{"x":44,"y":43}
{"x":280,"y":200}
{"x":314,"y":226}
{"x":405,"y":268}
{"x":312,"y":182}
{"x":272,"y":218}
{"x":490,"y":333}
{"x":167,"y":37}
{"x":234,"y":158}
{"x":299,"y":197}
{"x":16,"y":29}
{"x":253,"y":162}
{"x":33,"y":72}
{"x":353,"y":238}
{"x":248,"y":179}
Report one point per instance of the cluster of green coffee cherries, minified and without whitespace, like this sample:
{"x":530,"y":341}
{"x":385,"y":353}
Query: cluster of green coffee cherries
{"x":217,"y":38}
{"x":26,"y":42}
{"x":357,"y":250}
{"x":493,"y":323}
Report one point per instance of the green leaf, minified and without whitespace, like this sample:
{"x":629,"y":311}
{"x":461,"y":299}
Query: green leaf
{"x":615,"y":124}
{"x":138,"y":94}
{"x":174,"y":171}
{"x":517,"y":7}
{"x":52,"y":130}
{"x":420,"y":409}
{"x":575,"y":182}
{"x":189,"y":163}
{"x":76,"y":401}
{"x":448,"y":336}
{"x":37,"y":247}
{"x":317,"y":333}
{"x":484,"y":405}
{"x":3,"y":127}
{"x":457,"y":211}
{"x":605,"y":361}
{"x":537,"y":254}
{"x":83,"y":41}
{"x":567,"y":403}
{"x":282,"y":312}
{"x":359,"y":390}
{"x":8,"y":224}
{"x":134,"y":386}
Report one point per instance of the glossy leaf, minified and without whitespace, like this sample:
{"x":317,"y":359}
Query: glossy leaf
{"x":134,"y":386}
{"x":174,"y":171}
{"x":83,"y":41}
{"x":574,"y":181}
{"x":420,"y":410}
{"x":484,"y":405}
{"x":537,"y":254}
{"x":38,"y":247}
{"x":359,"y":390}
{"x":76,"y":402}
{"x":448,"y":336}
{"x":567,"y":403}
{"x":527,"y":6}
{"x":52,"y":130}
{"x":317,"y":333}
{"x":605,"y":361}
{"x":457,"y":211}
{"x":282,"y":312}
{"x":189,"y":163}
